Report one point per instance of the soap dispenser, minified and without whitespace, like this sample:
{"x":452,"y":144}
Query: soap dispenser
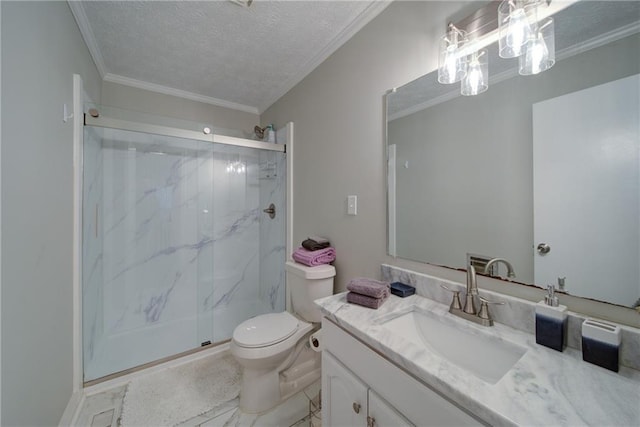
{"x":551,"y":321}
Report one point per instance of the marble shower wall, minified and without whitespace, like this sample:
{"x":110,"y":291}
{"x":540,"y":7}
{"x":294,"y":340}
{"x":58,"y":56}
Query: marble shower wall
{"x":180,"y":247}
{"x":273,"y":182}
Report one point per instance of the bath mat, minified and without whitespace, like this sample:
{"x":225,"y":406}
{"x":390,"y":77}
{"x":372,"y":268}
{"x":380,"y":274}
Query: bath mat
{"x":174,"y":395}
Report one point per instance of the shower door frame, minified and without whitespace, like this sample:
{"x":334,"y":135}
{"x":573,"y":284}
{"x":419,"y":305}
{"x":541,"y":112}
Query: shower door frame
{"x":79,"y":121}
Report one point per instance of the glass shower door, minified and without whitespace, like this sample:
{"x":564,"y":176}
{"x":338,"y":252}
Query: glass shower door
{"x":174,"y":250}
{"x":249,"y":245}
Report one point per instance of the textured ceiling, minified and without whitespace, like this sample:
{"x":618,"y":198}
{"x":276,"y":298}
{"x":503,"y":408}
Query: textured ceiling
{"x":217,"y":51}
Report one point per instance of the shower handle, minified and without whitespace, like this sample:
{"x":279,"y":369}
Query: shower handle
{"x":271,"y":210}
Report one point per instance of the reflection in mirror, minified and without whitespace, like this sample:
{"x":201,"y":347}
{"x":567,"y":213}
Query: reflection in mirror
{"x":549,"y":161}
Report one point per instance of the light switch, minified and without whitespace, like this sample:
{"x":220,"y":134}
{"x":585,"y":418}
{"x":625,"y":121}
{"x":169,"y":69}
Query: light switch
{"x":352,"y":205}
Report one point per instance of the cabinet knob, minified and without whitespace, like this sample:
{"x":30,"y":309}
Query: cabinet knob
{"x":356,"y":407}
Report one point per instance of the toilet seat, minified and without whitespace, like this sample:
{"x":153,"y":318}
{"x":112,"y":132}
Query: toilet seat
{"x":265,"y":330}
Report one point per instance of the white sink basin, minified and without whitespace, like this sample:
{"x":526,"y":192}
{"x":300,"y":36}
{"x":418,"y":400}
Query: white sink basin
{"x":483,"y":355}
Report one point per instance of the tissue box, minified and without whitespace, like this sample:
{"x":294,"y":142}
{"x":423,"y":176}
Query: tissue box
{"x":402,"y":290}
{"x":601,"y":343}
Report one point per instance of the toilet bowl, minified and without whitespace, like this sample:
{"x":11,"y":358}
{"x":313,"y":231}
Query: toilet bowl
{"x":273,"y":348}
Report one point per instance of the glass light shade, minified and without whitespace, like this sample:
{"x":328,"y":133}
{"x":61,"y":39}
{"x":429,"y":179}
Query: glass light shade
{"x":514,"y":27}
{"x":477,"y":79}
{"x":452,"y":67}
{"x":540,"y":53}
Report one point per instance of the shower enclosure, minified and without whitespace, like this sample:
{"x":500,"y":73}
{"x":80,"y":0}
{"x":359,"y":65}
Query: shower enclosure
{"x":177,"y":249}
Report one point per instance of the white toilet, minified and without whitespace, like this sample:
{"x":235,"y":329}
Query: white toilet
{"x":273,"y":349}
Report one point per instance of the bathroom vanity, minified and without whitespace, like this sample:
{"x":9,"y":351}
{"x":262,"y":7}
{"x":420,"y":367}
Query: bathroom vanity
{"x":374,"y":391}
{"x":411,"y":362}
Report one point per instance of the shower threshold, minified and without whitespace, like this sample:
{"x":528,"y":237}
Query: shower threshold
{"x":152,"y":364}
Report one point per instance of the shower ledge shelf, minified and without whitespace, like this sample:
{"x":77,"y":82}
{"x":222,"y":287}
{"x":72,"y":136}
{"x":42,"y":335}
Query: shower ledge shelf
{"x":108,"y":122}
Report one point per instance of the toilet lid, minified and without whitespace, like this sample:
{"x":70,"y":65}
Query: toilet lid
{"x":266,"y":329}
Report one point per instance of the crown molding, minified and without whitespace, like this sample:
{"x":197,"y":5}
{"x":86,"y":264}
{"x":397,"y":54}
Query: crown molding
{"x":114,"y":78}
{"x":600,"y":40}
{"x":87,"y":34}
{"x":366,"y":16}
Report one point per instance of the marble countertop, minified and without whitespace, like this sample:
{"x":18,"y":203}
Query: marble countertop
{"x":544,"y":387}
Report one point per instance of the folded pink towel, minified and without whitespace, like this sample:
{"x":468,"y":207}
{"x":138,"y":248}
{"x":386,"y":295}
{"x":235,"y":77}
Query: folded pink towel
{"x":311,"y":258}
{"x":369,"y":287}
{"x":365,"y":301}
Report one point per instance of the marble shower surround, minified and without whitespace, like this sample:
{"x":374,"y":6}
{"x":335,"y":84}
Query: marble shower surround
{"x":176,"y":248}
{"x":516,"y":313}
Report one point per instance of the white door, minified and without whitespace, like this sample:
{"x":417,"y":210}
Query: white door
{"x":344,"y":396}
{"x":587,"y":191}
{"x":382,"y":414}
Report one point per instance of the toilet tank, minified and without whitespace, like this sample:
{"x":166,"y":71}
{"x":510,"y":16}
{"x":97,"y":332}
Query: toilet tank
{"x":307,"y":284}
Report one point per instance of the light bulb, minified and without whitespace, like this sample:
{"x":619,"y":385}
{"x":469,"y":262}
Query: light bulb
{"x":476,"y":79}
{"x":518,"y":31}
{"x":475,"y":82}
{"x":514,"y":28}
{"x":538,"y":54}
{"x":451,"y":65}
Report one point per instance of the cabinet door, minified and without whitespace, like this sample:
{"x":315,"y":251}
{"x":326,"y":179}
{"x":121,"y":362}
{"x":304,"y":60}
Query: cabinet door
{"x":344,"y":396}
{"x":381,"y":414}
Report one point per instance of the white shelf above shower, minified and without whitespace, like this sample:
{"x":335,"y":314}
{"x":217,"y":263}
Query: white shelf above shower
{"x":108,"y":122}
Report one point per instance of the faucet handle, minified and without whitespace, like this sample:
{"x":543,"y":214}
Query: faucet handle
{"x":484,"y":308}
{"x":455,"y":302}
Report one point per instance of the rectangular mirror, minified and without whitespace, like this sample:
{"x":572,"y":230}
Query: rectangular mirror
{"x":542,"y":170}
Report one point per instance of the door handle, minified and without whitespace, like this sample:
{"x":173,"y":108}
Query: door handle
{"x":543,"y":248}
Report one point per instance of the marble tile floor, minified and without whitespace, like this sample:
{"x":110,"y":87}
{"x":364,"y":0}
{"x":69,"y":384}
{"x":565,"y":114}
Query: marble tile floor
{"x":302,"y":409}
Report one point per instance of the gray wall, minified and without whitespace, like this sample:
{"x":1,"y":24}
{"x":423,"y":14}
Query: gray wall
{"x":338,"y":113}
{"x":140,"y":100}
{"x":41,"y":49}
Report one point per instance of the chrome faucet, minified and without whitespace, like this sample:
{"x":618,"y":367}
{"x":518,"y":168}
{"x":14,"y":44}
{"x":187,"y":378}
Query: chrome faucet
{"x":469,"y":311}
{"x":472,"y":290}
{"x":510,"y":272}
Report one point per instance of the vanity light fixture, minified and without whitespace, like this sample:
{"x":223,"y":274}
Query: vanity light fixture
{"x":514,"y":27}
{"x":539,"y":54}
{"x":452,"y":65}
{"x":520,"y":34}
{"x":475,"y":81}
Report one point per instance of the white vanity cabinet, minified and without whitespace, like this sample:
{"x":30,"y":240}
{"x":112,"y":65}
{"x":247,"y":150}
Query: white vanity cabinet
{"x":347,"y":401}
{"x":362,"y":388}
